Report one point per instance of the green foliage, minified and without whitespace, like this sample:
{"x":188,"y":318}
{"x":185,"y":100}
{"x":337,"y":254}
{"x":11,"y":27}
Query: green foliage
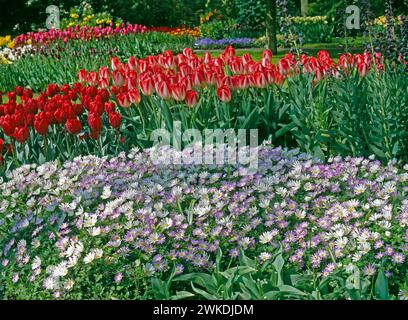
{"x":312,"y":29}
{"x":251,"y":280}
{"x":217,"y":29}
{"x":84,"y":15}
{"x":251,"y":16}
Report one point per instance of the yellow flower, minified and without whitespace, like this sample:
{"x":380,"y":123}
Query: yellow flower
{"x":10,"y":44}
{"x":74,"y":16}
{"x":3,"y":60}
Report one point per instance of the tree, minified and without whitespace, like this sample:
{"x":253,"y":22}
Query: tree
{"x":304,"y":7}
{"x":271,"y":25}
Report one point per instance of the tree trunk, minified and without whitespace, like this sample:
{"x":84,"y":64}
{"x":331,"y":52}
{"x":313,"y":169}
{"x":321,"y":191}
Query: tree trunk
{"x":304,"y":7}
{"x":271,"y":25}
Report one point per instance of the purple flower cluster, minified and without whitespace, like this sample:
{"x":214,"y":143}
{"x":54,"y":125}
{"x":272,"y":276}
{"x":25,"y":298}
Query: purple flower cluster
{"x":207,"y":42}
{"x":326,"y":217}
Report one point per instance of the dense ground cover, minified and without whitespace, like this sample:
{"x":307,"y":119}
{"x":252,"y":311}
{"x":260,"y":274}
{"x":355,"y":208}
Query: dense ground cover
{"x":126,"y":227}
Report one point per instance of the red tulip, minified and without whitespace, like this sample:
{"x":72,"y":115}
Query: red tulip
{"x":19,"y":119}
{"x":230,"y":51}
{"x":19,"y":90}
{"x":97,"y":107}
{"x":82,"y":76}
{"x":93,"y":78}
{"x":178,"y":92}
{"x":267,"y":55}
{"x":197,"y":78}
{"x":109,"y":107}
{"x":118,"y":78}
{"x":224,"y":94}
{"x":191,"y":98}
{"x":8,"y":125}
{"x":115,"y":63}
{"x":207,"y":58}
{"x":123,"y":100}
{"x":104,"y":73}
{"x":260,"y":80}
{"x":41,"y":125}
{"x":103,"y":83}
{"x":73,"y":126}
{"x":362,"y":69}
{"x":163,"y":90}
{"x":187,"y":52}
{"x":115,"y":119}
{"x":146,"y":86}
{"x":284,"y":66}
{"x":95,"y":122}
{"x":134,"y":96}
{"x":133,"y":63}
{"x":21,"y":134}
{"x":1,"y":145}
{"x":60,"y":115}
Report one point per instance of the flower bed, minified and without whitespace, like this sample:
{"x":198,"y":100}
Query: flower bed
{"x":128,"y":101}
{"x":101,"y":228}
{"x":207,"y":43}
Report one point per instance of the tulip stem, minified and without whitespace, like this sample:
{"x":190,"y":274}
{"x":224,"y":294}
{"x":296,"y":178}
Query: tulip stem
{"x":46,"y":147}
{"x":14,"y":152}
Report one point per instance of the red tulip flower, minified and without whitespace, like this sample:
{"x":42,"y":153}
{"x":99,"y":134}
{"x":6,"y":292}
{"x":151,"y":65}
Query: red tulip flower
{"x":95,"y":122}
{"x":110,"y":107}
{"x":73,"y":126}
{"x":8,"y":125}
{"x":118,"y":78}
{"x":191,"y":98}
{"x":267,"y":55}
{"x":123,"y":100}
{"x":260,"y":80}
{"x":115,"y":63}
{"x":163,"y":90}
{"x":115,"y":119}
{"x":21,"y":134}
{"x":178,"y":91}
{"x":41,"y":125}
{"x":146,"y":86}
{"x":362,"y":69}
{"x":224,"y":94}
{"x":134,"y":96}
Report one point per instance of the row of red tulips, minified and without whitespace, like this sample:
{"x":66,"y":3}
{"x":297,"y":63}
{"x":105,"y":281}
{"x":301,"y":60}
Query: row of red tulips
{"x":179,"y":78}
{"x":77,"y":33}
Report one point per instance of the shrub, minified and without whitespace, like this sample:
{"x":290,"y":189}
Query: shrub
{"x":312,"y":29}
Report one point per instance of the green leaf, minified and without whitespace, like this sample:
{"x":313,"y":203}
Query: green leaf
{"x":245,"y":261}
{"x":291,"y":290}
{"x":181,"y":295}
{"x":159,"y":289}
{"x":203,"y":293}
{"x":381,"y":286}
{"x":278,"y":265}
